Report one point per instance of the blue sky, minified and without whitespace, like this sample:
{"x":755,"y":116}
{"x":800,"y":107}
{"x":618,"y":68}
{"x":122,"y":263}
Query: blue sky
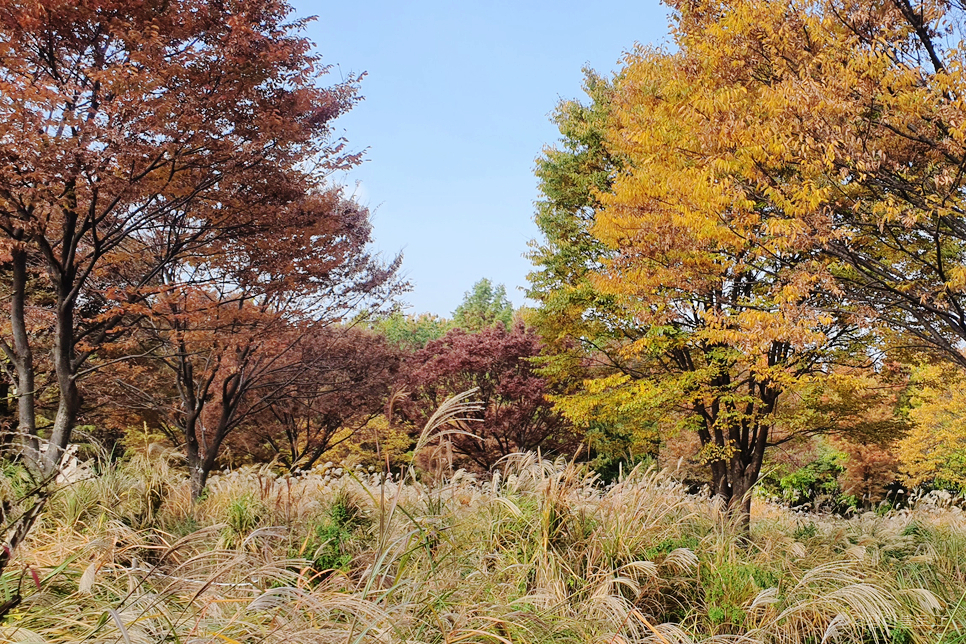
{"x":457,"y":103}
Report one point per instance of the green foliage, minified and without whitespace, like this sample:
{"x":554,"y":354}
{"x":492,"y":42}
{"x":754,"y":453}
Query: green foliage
{"x":607,"y":461}
{"x":805,"y":531}
{"x":328,"y":553}
{"x":183,"y":526}
{"x":483,"y":306}
{"x":729,"y":587}
{"x":411,"y":332}
{"x":242,"y":516}
{"x":327,"y":542}
{"x":670,"y":544}
{"x":572,"y":316}
{"x":815,"y":484}
{"x":571,"y":177}
{"x":621,"y":418}
{"x":16,"y":477}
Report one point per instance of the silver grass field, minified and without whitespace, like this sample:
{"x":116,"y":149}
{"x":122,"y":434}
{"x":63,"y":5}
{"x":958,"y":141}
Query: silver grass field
{"x":542,"y":552}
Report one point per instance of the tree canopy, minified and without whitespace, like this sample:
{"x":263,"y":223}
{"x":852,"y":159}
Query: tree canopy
{"x":149,"y":150}
{"x":734,"y":220}
{"x":484,"y":305}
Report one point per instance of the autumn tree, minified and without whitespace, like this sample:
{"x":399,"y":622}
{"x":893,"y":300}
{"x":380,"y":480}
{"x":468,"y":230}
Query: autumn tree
{"x":825,"y":134}
{"x":722,"y":306}
{"x":841,"y":432}
{"x":253,"y":331}
{"x":335,"y":382}
{"x":845,"y":118}
{"x":934,"y":451}
{"x":134,"y":136}
{"x":496,"y":362}
{"x":814,"y":148}
{"x":872,"y":471}
{"x":729,"y":315}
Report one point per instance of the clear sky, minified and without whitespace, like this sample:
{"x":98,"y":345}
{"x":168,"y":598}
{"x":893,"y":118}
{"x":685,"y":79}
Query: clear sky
{"x":457,"y":103}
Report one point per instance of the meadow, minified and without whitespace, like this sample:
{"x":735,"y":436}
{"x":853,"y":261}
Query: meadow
{"x":541,"y":552}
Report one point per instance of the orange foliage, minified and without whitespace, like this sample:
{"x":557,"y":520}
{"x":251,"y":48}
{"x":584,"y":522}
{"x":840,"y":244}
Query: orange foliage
{"x":136,"y":139}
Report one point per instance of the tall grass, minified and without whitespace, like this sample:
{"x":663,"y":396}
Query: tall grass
{"x":541,"y":552}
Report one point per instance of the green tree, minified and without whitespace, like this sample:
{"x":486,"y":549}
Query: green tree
{"x":571,"y":312}
{"x":411,"y":332}
{"x":581,"y":326}
{"x":484,"y":306}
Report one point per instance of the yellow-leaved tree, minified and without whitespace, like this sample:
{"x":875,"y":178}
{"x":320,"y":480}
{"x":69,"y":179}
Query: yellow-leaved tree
{"x":733,"y":310}
{"x":845,"y":122}
{"x":934,"y":451}
{"x":790,"y":178}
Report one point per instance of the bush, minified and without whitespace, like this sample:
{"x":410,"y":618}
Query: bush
{"x":328,"y":542}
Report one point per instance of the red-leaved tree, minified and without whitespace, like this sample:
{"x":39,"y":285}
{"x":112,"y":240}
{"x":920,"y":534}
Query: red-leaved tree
{"x":137,"y":138}
{"x":250,"y":327}
{"x":497,"y":362}
{"x":335,"y":381}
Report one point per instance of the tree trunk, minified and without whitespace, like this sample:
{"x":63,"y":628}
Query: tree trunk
{"x":739,"y":507}
{"x":68,"y":404}
{"x":23,"y":362}
{"x":197,"y":474}
{"x":202,"y":457}
{"x":733,"y":482}
{"x":719,"y":480}
{"x":7,"y":421}
{"x":198,"y":478}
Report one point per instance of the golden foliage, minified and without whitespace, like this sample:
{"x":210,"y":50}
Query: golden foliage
{"x":935,"y":449}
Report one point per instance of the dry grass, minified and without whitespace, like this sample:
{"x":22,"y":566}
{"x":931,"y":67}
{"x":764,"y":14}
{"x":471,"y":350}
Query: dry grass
{"x":543,"y":552}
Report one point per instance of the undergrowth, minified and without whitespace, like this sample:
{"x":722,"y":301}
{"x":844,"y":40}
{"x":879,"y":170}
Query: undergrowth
{"x":542,"y":552}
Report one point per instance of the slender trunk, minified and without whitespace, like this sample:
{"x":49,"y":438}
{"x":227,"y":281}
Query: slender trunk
{"x":199,"y":479}
{"x":6,"y":421}
{"x":202,"y":450}
{"x":208,"y":456}
{"x":740,"y":506}
{"x":196,"y":470}
{"x":320,"y":449}
{"x":68,"y":404}
{"x":192,"y":404}
{"x":23,"y":362}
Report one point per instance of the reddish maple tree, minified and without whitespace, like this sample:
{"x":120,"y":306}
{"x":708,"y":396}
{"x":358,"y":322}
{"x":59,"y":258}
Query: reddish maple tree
{"x":249,"y":326}
{"x":135,"y":138}
{"x":337,"y":380}
{"x":497,"y":362}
